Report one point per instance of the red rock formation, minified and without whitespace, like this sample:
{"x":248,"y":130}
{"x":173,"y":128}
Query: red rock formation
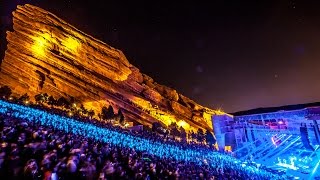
{"x":46,"y":54}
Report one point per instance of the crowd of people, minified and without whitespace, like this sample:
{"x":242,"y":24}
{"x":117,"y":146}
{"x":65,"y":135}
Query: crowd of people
{"x":39,"y":145}
{"x":144,"y":133}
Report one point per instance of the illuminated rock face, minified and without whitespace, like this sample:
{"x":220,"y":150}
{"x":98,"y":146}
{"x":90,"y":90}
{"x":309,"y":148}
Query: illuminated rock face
{"x":46,"y":54}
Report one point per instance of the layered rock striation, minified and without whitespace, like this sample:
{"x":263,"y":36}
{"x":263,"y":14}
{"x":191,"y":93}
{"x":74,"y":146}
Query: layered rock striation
{"x":46,"y":54}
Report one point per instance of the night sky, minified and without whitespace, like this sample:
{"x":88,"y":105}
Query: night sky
{"x":229,"y":54}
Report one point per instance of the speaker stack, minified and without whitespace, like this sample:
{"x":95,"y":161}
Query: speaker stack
{"x":230,"y":139}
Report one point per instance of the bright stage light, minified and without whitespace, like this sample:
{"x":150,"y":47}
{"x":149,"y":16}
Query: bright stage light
{"x":315,"y":168}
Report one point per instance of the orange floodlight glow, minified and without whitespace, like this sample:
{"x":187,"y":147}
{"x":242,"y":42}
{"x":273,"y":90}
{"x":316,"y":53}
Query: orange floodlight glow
{"x":183,"y":124}
{"x":158,"y":114}
{"x":40,"y":44}
{"x":71,"y":44}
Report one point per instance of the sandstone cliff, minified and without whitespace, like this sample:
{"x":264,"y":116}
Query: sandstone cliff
{"x":46,"y":54}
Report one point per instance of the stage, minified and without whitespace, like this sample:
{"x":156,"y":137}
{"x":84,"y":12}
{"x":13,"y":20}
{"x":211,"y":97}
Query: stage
{"x":285,"y":141}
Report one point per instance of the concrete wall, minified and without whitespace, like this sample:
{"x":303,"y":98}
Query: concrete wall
{"x":219,"y":123}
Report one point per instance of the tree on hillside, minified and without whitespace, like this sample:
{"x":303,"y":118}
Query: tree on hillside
{"x":107,"y":113}
{"x":75,"y":104}
{"x":39,"y":98}
{"x":104,"y":113}
{"x":159,"y":128}
{"x":5,"y":92}
{"x":183,"y":133}
{"x":91,"y":113}
{"x":155,"y":126}
{"x":45,"y":97}
{"x":63,"y":102}
{"x":174,"y":129}
{"x":200,"y":135}
{"x":120,"y":116}
{"x":83,"y":109}
{"x":193,"y":136}
{"x":173,"y":125}
{"x":110,"y":112}
{"x":72,"y":100}
{"x":24,"y":98}
{"x":52,"y":101}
